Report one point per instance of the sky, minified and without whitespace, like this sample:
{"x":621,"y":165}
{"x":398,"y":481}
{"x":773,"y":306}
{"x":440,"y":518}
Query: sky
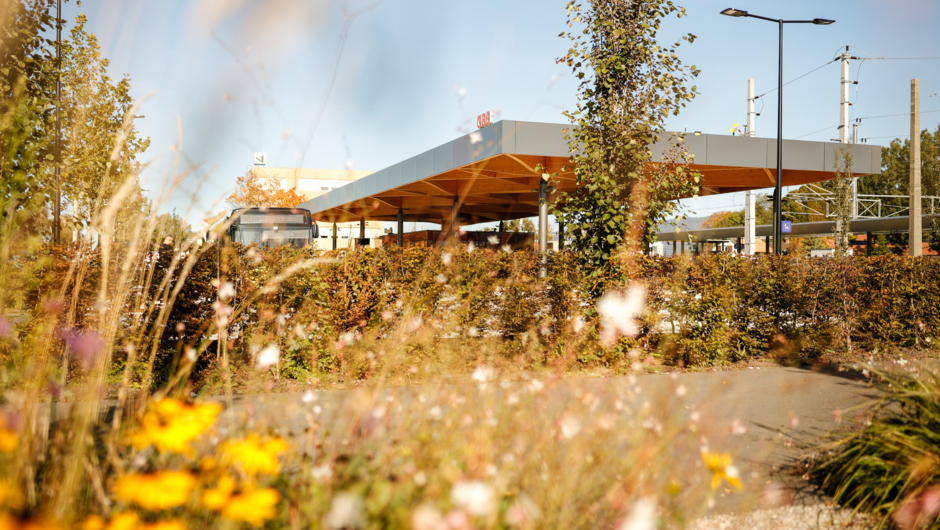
{"x":364,"y":84}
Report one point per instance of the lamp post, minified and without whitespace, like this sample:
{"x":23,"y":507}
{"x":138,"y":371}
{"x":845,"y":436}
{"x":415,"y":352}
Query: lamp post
{"x":778,"y":189}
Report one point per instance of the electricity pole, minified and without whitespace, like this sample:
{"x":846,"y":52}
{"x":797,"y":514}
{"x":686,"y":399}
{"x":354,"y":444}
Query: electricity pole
{"x":844,"y":120}
{"x":915,"y":237}
{"x":750,"y":221}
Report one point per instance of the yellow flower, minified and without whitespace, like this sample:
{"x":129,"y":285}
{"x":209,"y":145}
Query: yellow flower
{"x":8,"y":439}
{"x":155,"y":491}
{"x":130,"y":521}
{"x":9,"y":522}
{"x":251,"y":505}
{"x":720,"y":466}
{"x":10,"y":496}
{"x":253,"y":455}
{"x":171,"y":425}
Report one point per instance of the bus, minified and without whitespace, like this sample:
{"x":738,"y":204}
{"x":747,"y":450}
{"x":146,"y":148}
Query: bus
{"x":273,"y":227}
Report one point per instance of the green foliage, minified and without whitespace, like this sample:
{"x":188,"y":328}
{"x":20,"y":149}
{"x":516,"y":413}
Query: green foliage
{"x":842,"y":184}
{"x":334,"y":311}
{"x":890,"y":467}
{"x":629,"y":85}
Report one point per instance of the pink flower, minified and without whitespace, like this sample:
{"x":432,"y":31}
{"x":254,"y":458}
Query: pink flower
{"x":85,"y":345}
{"x":4,"y":328}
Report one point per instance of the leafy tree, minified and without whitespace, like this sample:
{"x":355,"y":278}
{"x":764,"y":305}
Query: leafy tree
{"x":881,"y":246}
{"x":629,"y":85}
{"x":173,"y":226}
{"x":895,"y":170}
{"x":251,"y":191}
{"x":100,"y":143}
{"x":763,"y":212}
{"x":27,"y":81}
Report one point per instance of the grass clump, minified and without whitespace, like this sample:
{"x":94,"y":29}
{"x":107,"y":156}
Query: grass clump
{"x":891,"y":467}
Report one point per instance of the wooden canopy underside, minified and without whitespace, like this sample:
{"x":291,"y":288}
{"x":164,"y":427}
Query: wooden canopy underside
{"x":505,"y":187}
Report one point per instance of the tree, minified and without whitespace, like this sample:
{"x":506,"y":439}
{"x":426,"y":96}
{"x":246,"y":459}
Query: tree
{"x":101,"y":144}
{"x":763,"y":213}
{"x":27,"y":80}
{"x":173,"y":226}
{"x":252,"y":192}
{"x":629,"y":85}
{"x":895,"y":169}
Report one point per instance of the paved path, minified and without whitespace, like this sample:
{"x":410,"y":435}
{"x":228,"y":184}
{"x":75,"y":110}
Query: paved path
{"x":766,"y":417}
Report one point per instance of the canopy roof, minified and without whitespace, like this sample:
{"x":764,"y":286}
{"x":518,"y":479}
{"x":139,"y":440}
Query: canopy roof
{"x":494,"y":173}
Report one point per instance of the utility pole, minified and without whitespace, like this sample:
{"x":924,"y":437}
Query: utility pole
{"x":915,"y":244}
{"x":57,"y":207}
{"x":750,"y":198}
{"x":844,"y":126}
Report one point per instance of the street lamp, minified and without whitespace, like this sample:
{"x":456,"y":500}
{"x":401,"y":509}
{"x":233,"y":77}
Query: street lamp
{"x":778,"y":189}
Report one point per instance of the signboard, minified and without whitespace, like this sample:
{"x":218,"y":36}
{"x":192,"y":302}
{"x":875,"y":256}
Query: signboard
{"x":786,"y":227}
{"x":484,"y":119}
{"x":260,"y":159}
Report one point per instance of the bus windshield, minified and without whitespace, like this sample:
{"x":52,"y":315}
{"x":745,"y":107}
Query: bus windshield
{"x":273,"y":227}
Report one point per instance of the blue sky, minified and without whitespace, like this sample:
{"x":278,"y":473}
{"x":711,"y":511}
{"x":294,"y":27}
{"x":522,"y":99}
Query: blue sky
{"x":238,"y":76}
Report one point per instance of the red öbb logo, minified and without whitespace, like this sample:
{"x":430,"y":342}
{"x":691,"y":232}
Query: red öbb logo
{"x":484,"y":119}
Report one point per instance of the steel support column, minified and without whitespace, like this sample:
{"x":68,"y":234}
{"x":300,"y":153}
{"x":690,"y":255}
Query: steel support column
{"x":335,"y":233}
{"x":401,"y":227}
{"x":543,"y":227}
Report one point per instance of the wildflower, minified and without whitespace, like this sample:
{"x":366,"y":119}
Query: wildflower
{"x":492,"y":240}
{"x":427,"y":517}
{"x":268,"y":357}
{"x":720,"y":466}
{"x":226,"y":291}
{"x":618,"y":313}
{"x":8,"y":439}
{"x":474,"y":496}
{"x":11,"y":522}
{"x":4,"y":328}
{"x":251,"y":505}
{"x":253,"y":455}
{"x":85,"y":345}
{"x":10,"y":496}
{"x":346,"y":511}
{"x":642,"y":516}
{"x":130,"y":521}
{"x":570,"y":427}
{"x":155,"y":491}
{"x":171,"y":425}
{"x":483,"y":374}
{"x":523,"y":511}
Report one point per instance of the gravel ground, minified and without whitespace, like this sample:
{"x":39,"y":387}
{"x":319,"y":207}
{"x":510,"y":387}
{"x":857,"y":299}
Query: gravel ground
{"x":817,"y":516}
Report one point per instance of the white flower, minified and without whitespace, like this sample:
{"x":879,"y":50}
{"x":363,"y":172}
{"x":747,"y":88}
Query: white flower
{"x":441,"y":279}
{"x":618,"y":313}
{"x":578,"y":324}
{"x":471,"y":247}
{"x":522,"y":511}
{"x":346,"y":512}
{"x":536,"y":386}
{"x":322,"y":473}
{"x":420,"y":478}
{"x":445,"y":258}
{"x":190,"y":354}
{"x":436,"y":413}
{"x":474,"y":496}
{"x":482,"y":374}
{"x":226,"y":291}
{"x":570,"y":427}
{"x":493,"y":240}
{"x":268,"y":357}
{"x":427,"y":517}
{"x":642,"y":516}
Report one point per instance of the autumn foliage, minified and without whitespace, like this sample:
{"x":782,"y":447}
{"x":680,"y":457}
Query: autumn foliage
{"x":251,"y":191}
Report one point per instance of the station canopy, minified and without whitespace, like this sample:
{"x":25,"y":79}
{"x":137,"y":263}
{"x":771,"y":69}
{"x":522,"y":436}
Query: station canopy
{"x":493,"y":174}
